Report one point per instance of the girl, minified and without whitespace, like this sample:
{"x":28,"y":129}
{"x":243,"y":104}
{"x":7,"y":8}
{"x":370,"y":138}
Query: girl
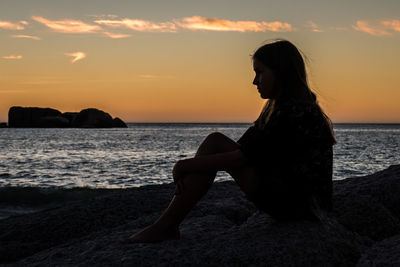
{"x":283,"y":162}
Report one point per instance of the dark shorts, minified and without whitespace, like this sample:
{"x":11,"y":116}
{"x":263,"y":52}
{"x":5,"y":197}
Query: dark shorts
{"x":280,"y":200}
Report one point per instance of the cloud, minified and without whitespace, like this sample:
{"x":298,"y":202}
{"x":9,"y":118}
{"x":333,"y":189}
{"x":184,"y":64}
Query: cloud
{"x":68,"y":26}
{"x":26,"y":36}
{"x":363,"y":26}
{"x":116,"y":35}
{"x":12,"y":26}
{"x":111,"y":16}
{"x":194,"y":23}
{"x":392,"y":24}
{"x":76,"y":56}
{"x":139,"y":25}
{"x":13,"y":57}
{"x":314,"y":27}
{"x":215,"y":24}
{"x":384,"y":27}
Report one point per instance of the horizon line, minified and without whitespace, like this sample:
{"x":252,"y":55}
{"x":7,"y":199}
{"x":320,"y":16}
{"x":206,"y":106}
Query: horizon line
{"x":238,"y":122}
{"x":225,"y":122}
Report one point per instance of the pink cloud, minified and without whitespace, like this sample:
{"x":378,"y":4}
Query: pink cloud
{"x":314,"y":27}
{"x":116,"y":35}
{"x":363,"y":26}
{"x":392,"y":24}
{"x":215,"y":24}
{"x":197,"y":23}
{"x":26,"y":36}
{"x":194,"y":23}
{"x":139,"y":25}
{"x":111,"y":16}
{"x":68,"y":26}
{"x":76,"y":56}
{"x":11,"y":26}
{"x":13,"y":57}
{"x":384,"y":27}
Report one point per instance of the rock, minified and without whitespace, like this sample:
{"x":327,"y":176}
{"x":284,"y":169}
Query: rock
{"x":22,"y":236}
{"x":384,"y":253}
{"x":70,"y":116}
{"x":117,"y":122}
{"x":214,"y":240}
{"x":30,"y":117}
{"x":50,"y":118}
{"x":93,"y":118}
{"x":53,"y":122}
{"x":370,"y":205}
{"x":223,"y":229}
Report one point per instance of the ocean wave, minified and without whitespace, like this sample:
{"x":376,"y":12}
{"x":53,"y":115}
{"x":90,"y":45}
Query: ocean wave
{"x":146,"y":153}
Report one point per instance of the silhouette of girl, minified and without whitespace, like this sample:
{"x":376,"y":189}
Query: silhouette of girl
{"x":283,"y":162}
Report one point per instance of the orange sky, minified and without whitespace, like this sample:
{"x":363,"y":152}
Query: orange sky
{"x":190,"y":64}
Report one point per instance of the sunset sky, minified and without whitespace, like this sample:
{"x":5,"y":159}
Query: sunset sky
{"x":189,"y":61}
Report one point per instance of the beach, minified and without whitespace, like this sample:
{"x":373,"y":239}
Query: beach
{"x":224,"y":229}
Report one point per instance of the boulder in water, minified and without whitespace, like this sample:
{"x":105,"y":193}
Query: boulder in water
{"x":33,"y":117}
{"x":30,"y":116}
{"x":53,"y":122}
{"x":117,"y":122}
{"x":70,"y":116}
{"x":93,"y":118}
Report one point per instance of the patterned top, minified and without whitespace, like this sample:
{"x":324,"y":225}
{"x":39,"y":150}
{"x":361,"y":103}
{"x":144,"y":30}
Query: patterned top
{"x":293,"y":154}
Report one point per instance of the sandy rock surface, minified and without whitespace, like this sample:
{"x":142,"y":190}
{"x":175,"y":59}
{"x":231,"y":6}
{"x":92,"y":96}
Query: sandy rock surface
{"x":224,"y":229}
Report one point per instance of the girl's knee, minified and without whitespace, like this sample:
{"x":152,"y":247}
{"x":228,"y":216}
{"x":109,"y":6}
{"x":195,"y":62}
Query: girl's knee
{"x":221,"y":141}
{"x":216,"y":142}
{"x":216,"y":136}
{"x":213,"y":140}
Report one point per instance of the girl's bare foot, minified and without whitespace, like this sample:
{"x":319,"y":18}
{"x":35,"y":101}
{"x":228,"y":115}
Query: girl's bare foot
{"x":153,"y":234}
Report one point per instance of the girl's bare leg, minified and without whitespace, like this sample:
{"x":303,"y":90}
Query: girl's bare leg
{"x":195,"y":186}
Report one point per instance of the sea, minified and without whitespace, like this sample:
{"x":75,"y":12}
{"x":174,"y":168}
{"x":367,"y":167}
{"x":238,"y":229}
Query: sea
{"x":39,"y":166}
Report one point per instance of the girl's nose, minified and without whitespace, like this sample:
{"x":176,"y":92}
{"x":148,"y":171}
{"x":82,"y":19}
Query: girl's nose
{"x":255,"y":81}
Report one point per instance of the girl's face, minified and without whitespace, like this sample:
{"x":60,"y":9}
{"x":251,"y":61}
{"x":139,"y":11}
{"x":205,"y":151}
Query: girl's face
{"x":264,"y":79}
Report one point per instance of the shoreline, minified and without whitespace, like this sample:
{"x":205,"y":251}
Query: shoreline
{"x":23,"y":200}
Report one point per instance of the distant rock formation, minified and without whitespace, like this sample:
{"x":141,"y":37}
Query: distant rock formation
{"x":117,"y":122}
{"x":70,"y":116}
{"x":92,"y":118}
{"x":33,"y":117}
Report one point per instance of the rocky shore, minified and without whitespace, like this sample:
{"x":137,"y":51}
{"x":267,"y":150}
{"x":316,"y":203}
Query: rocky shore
{"x":224,"y":229}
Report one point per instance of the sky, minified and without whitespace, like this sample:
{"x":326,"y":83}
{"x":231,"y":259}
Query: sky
{"x":190,"y":61}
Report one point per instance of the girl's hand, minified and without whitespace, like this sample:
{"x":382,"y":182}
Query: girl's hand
{"x":177,"y":172}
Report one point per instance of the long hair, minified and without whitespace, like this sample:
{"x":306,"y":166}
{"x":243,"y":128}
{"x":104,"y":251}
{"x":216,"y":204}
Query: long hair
{"x":291,"y":84}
